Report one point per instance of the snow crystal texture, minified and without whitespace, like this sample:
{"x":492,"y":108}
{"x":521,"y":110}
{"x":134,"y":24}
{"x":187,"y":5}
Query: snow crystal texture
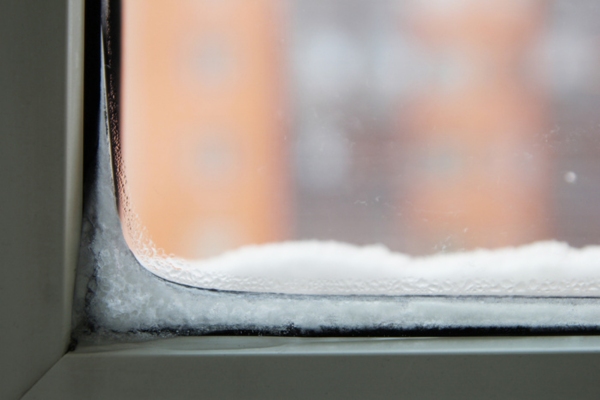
{"x":332,"y":268}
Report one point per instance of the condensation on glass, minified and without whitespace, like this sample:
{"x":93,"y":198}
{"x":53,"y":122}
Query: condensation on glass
{"x":364,"y":143}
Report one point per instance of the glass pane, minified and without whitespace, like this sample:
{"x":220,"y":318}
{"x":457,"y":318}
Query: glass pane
{"x":364,"y":147}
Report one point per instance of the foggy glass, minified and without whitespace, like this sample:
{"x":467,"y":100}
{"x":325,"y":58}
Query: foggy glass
{"x":426,"y":126}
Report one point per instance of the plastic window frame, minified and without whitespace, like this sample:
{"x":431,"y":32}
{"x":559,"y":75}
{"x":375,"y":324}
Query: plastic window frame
{"x":41,"y":220}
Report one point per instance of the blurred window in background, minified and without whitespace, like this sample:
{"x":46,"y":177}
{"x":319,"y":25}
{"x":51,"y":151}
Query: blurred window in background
{"x":427,"y":127}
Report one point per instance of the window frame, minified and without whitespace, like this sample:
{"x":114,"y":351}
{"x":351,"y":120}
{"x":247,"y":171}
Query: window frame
{"x":42,"y":163}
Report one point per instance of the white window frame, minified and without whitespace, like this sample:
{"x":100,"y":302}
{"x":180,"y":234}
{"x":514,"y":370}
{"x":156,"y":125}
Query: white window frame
{"x":41,"y":97}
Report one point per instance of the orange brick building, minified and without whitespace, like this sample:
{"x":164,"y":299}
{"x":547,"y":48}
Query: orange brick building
{"x":202,"y":123}
{"x":477,"y":176}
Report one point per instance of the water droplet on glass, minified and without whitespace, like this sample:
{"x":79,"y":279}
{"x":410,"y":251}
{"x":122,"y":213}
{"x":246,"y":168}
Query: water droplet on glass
{"x":570,"y":177}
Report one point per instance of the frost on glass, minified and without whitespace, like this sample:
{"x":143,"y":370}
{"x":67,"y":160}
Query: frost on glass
{"x":355,"y":164}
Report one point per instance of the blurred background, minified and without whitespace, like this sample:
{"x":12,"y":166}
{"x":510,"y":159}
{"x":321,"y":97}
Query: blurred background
{"x":428,"y":126}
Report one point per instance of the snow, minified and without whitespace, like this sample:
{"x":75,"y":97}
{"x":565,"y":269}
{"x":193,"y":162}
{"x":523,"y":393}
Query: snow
{"x":311,"y":286}
{"x":333,"y":268}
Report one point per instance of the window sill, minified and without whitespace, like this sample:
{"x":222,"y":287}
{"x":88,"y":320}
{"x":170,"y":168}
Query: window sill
{"x":271,"y":367}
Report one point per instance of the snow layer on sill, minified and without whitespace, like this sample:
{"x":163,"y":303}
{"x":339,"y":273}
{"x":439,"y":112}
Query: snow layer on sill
{"x":126,"y":297}
{"x":123,"y":296}
{"x":333,"y":268}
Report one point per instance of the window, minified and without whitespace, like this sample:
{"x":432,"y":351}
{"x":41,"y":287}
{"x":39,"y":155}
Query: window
{"x":452,"y":142}
{"x":42,"y":132}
